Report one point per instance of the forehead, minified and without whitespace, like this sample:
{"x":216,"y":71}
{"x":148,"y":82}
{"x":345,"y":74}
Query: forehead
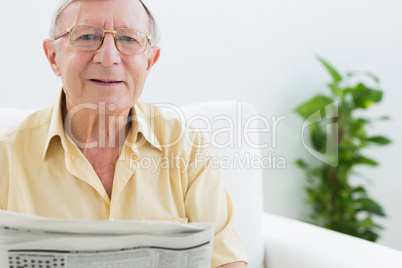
{"x":110,"y":14}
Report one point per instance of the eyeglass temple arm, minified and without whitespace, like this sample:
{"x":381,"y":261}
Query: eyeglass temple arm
{"x":67,"y":32}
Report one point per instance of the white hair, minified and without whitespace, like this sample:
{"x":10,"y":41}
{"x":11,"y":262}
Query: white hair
{"x":155,"y":34}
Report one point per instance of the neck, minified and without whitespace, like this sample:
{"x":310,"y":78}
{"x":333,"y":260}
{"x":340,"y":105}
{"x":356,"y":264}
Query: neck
{"x":95,"y":128}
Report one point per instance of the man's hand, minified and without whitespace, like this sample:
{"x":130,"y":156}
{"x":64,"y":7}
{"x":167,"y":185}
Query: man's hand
{"x":238,"y":264}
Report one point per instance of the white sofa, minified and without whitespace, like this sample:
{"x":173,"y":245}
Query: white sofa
{"x":271,"y":241}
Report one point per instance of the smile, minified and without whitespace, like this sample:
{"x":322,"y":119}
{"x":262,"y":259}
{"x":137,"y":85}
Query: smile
{"x":105,"y":82}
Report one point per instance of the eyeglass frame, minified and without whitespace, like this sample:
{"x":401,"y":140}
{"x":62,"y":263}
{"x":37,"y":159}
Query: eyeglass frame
{"x":69,"y":30}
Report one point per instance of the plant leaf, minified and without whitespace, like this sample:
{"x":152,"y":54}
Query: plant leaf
{"x":366,"y":223}
{"x":318,"y":137}
{"x":359,"y":189}
{"x":358,"y":73}
{"x":364,"y":97}
{"x":315,"y":104}
{"x":366,"y":161}
{"x":366,"y":204}
{"x":300,"y":163}
{"x":357,"y":128}
{"x":336,"y":90}
{"x":335,"y":75}
{"x":384,"y":118}
{"x":369,"y":235}
{"x":379,"y":140}
{"x":317,"y":172}
{"x":378,"y":226}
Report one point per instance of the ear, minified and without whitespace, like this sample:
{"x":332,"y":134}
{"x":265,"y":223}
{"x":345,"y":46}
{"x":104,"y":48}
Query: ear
{"x":50,"y":51}
{"x":155,"y":52}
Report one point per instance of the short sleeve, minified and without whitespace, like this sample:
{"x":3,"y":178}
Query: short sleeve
{"x":207,"y":200}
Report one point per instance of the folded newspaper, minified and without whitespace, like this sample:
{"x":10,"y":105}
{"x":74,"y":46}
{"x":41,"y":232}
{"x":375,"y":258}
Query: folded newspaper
{"x":37,"y":242}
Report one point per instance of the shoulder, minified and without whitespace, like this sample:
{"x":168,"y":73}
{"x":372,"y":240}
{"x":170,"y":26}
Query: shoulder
{"x":19,"y":143}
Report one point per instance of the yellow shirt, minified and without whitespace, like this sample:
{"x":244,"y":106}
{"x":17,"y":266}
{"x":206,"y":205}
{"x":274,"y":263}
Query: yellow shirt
{"x":158,"y":176}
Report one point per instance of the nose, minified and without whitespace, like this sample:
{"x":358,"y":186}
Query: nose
{"x":107,"y":54}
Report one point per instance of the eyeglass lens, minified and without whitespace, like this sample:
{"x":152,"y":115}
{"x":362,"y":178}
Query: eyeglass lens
{"x":89,"y":37}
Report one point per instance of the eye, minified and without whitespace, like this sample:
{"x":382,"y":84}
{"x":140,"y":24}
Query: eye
{"x":126,"y":38}
{"x":88,"y":37}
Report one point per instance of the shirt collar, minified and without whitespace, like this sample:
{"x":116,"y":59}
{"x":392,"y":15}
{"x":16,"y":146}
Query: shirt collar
{"x":141,"y":123}
{"x":56,"y":124}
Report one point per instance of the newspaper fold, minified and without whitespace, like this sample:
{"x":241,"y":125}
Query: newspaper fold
{"x":36,"y":242}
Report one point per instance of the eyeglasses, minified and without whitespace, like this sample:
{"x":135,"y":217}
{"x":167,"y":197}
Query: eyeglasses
{"x":90,"y":38}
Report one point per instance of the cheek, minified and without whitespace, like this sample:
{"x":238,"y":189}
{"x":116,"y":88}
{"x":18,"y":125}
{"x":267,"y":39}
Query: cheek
{"x":71,"y":69}
{"x":71,"y":60}
{"x":137,"y":71}
{"x":70,"y":77}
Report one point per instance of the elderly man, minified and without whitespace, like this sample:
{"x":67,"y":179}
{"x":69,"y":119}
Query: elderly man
{"x":81,"y":158}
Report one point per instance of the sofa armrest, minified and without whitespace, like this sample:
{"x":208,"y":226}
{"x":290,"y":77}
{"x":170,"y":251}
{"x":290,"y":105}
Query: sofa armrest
{"x":295,"y":244}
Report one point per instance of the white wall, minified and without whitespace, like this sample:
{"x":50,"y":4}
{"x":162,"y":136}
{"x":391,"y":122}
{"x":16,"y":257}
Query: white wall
{"x":256,"y":51}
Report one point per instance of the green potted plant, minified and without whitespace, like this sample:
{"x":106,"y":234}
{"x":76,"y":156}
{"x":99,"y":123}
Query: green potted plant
{"x":338,"y":141}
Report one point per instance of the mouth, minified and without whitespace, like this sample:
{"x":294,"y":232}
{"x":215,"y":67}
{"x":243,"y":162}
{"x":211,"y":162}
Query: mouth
{"x":106,"y":82}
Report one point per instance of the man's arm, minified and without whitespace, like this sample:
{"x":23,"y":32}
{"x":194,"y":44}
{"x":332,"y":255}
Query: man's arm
{"x":206,"y":199}
{"x":238,"y":264}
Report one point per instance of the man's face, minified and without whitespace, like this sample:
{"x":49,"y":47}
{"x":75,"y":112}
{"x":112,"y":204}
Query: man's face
{"x":84,"y":73}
